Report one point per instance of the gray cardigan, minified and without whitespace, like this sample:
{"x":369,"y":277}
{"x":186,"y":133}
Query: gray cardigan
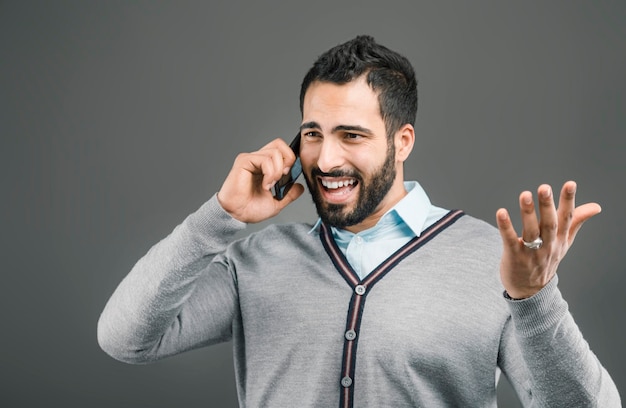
{"x":430,"y":328}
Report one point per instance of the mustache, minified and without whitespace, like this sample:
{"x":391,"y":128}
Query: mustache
{"x":316,"y":172}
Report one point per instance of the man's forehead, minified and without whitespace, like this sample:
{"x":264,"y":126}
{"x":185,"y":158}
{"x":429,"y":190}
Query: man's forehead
{"x":342,"y":104}
{"x":327,"y":86}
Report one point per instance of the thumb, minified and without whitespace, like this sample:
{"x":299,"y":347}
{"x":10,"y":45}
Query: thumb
{"x":582,"y":214}
{"x":292,"y":195}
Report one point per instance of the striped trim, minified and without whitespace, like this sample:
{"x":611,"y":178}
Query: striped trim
{"x":360,"y":289}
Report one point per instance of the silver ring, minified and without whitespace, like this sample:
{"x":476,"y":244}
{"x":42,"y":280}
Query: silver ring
{"x":536,"y":244}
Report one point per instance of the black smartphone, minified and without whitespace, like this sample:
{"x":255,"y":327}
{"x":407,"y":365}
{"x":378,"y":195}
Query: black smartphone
{"x":283,"y":185}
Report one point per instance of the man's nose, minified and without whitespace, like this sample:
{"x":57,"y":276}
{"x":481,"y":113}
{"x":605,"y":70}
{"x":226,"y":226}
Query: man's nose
{"x":331,"y":155}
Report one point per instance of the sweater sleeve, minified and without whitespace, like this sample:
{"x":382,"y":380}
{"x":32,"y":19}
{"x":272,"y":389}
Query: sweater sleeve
{"x":546,"y":358}
{"x":157,"y":311}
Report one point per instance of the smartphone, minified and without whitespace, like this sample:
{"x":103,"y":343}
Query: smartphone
{"x":283,"y":185}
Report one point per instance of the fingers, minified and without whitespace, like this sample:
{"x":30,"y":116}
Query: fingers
{"x":272,"y":166}
{"x":548,"y":219}
{"x":567,"y":206}
{"x":507,"y":231}
{"x":269,"y":163}
{"x":523,"y":270}
{"x":530,"y":224}
{"x":551,"y":224}
{"x":544,"y":226}
{"x":571,"y":217}
{"x":246,"y":192}
{"x":279,"y":145}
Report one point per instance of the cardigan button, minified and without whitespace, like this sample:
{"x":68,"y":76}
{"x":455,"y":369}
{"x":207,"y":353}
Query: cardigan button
{"x":350,"y":335}
{"x":346,"y":382}
{"x":360,"y":289}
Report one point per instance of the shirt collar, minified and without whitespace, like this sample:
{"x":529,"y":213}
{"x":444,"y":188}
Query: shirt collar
{"x":412,"y":210}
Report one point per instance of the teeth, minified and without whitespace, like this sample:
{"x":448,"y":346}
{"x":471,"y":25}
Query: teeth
{"x":337,"y":184}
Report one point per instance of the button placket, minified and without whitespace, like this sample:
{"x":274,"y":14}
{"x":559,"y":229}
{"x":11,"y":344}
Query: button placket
{"x":360,"y":291}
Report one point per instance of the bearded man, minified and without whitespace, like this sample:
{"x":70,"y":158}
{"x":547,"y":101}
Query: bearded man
{"x":386,"y":301}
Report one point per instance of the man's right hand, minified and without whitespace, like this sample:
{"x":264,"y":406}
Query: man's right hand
{"x":246,"y":193}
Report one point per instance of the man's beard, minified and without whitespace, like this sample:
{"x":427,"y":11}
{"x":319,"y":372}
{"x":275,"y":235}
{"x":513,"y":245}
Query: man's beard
{"x":370,"y":194}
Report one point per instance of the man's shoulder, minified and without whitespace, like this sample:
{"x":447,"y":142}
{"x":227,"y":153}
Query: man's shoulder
{"x":474,"y":234}
{"x":470,"y":222}
{"x":293,"y":234}
{"x":291,"y":230}
{"x":275,"y":244}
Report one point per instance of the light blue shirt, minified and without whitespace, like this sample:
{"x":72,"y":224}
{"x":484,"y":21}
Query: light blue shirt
{"x":406,"y":220}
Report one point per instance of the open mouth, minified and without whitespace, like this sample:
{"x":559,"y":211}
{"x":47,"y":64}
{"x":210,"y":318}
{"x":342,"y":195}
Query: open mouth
{"x":337,"y":188}
{"x":336,"y":184}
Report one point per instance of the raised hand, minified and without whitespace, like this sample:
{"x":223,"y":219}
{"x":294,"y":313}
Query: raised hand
{"x":246,"y":193}
{"x":524,"y":270}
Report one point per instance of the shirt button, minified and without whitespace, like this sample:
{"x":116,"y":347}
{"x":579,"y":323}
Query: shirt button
{"x":359,"y":240}
{"x":350,"y":335}
{"x":346,"y":382}
{"x":360,"y":289}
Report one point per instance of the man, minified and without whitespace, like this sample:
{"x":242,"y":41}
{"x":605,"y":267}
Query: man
{"x":387,"y":301}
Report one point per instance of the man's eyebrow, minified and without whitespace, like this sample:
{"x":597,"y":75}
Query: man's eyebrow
{"x":348,"y":128}
{"x":310,"y":125}
{"x":339,"y":128}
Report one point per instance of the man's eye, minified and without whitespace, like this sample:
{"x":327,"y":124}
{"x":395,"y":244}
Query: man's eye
{"x":352,"y":136}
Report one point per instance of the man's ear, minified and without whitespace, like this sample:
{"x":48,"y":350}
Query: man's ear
{"x":404,"y":141}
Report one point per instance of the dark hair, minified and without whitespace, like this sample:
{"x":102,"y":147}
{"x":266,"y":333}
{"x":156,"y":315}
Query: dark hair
{"x":388,"y":73}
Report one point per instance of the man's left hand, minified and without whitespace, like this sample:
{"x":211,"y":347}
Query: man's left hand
{"x":525,"y":271}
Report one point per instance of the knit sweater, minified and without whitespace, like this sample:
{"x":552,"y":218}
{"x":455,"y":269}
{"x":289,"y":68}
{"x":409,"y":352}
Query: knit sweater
{"x":428,"y":328}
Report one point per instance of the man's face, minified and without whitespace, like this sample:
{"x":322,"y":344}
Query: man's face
{"x":348,"y":162}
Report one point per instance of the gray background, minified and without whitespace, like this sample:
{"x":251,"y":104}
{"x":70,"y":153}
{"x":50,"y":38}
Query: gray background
{"x":118,"y":119}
